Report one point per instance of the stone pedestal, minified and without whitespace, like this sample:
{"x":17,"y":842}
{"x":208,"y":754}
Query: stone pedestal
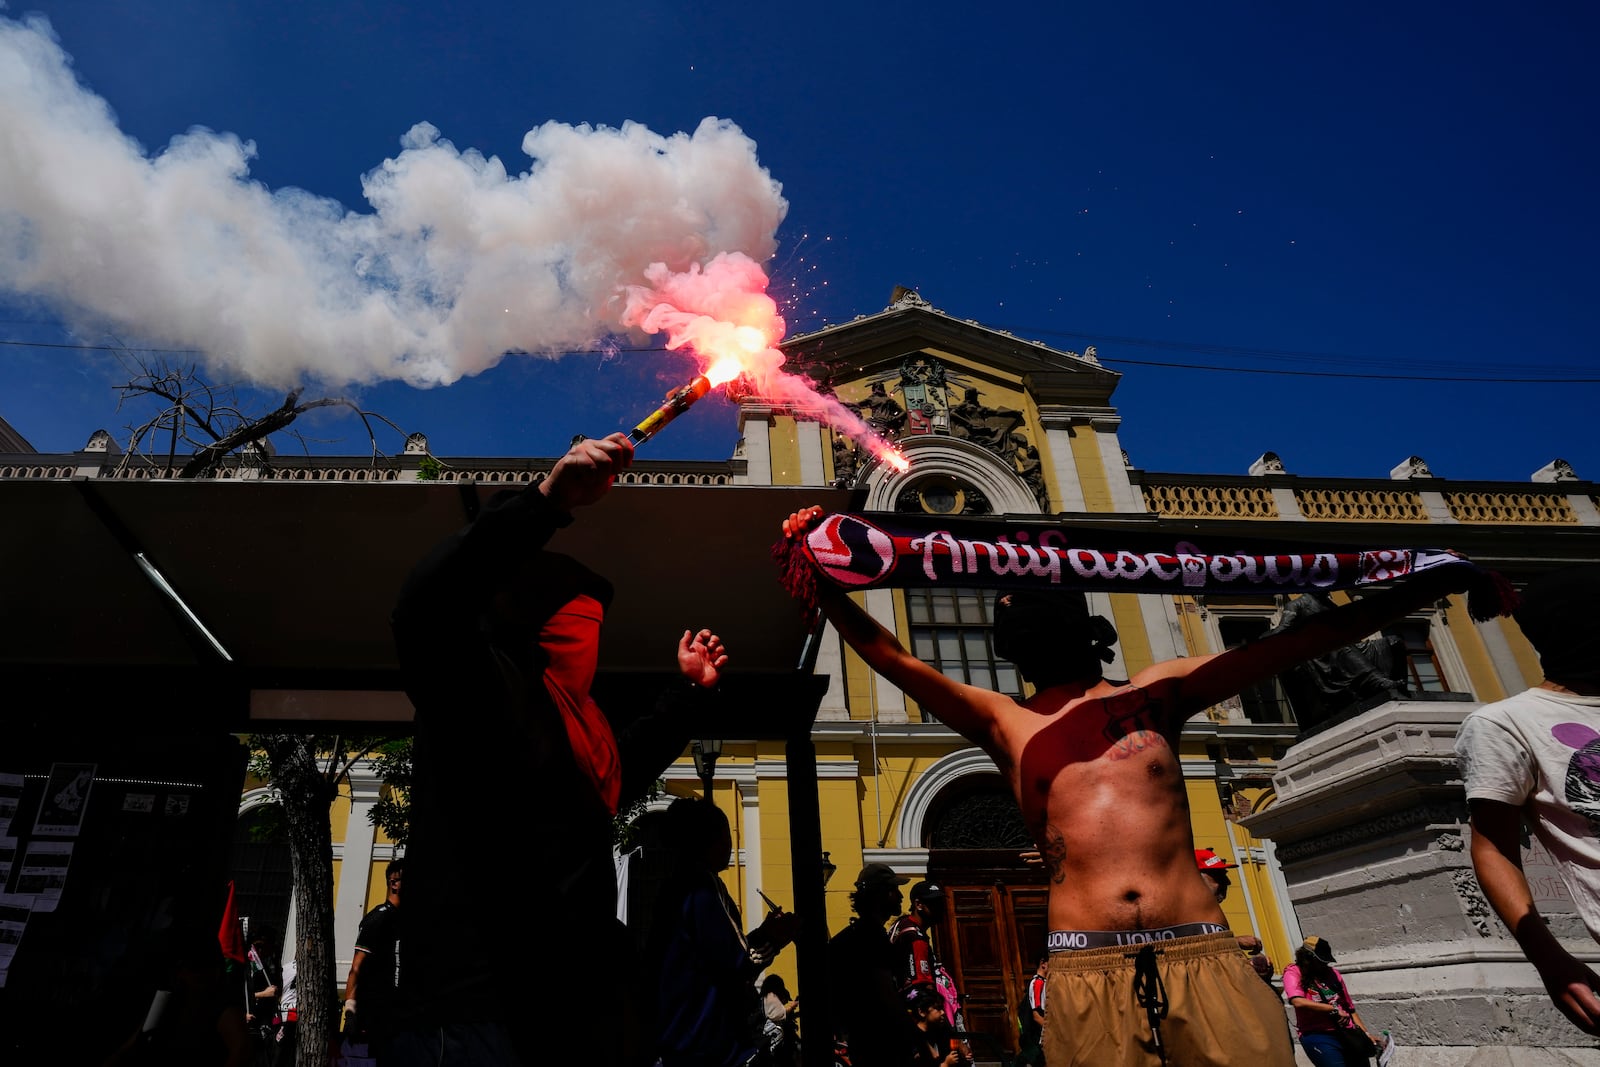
{"x":1370,"y":828}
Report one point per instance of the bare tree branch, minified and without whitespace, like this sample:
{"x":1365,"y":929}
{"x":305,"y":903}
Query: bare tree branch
{"x":207,"y":421}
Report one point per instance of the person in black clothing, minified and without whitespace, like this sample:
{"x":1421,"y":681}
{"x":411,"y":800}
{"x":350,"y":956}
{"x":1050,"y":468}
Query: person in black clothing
{"x":933,"y":1045}
{"x":373,"y":997}
{"x":703,"y":964}
{"x":869,"y":1012}
{"x":497,"y":643}
{"x":261,"y":993}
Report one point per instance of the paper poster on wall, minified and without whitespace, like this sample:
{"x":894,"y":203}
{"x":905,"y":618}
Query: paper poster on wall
{"x":66,"y":798}
{"x":44,"y":872}
{"x":14,"y":912}
{"x":10,"y":797}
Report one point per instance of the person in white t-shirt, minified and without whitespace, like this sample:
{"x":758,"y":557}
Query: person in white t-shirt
{"x":1535,"y":757}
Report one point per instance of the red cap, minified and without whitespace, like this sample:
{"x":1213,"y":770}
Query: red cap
{"x":1207,"y":860}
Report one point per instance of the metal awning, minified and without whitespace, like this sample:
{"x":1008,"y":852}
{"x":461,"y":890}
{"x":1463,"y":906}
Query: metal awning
{"x":293,"y":582}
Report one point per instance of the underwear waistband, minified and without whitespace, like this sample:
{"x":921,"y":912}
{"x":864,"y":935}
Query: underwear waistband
{"x":1069,"y":940}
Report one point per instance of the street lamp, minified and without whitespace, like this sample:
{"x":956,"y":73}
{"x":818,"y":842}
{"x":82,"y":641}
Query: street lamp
{"x":828,"y":867}
{"x":705,"y":753}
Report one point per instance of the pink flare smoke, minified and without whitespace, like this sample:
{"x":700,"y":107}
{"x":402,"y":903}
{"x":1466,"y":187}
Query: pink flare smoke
{"x":722,"y":311}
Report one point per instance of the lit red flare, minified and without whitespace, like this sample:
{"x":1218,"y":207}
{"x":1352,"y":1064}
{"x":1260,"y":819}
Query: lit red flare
{"x":891,"y":455}
{"x":675,"y":405}
{"x":722,"y":314}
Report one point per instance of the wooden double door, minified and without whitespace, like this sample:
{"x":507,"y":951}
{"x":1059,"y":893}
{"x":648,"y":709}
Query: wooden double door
{"x":993,"y":932}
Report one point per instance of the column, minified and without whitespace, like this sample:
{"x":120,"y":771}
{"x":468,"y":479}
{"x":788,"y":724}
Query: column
{"x":355,"y":866}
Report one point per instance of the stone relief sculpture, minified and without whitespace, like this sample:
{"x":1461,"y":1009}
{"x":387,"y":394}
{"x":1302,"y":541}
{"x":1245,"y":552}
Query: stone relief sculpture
{"x":1025,"y":460}
{"x":924,"y":384}
{"x":881,"y":411}
{"x":922,"y":369}
{"x":989,"y":427}
{"x":927,"y":394}
{"x":846,"y":462}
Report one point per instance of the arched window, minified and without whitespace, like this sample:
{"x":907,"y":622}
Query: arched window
{"x":978,"y":813}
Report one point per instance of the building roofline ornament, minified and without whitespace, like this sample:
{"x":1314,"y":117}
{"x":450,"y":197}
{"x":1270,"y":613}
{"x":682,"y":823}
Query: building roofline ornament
{"x":1557,"y":470}
{"x":1411,"y":467}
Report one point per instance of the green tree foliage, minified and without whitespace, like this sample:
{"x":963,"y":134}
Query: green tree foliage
{"x":392,"y":813}
{"x":622,"y":835}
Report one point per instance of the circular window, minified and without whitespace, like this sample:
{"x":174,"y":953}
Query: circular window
{"x":940,"y":498}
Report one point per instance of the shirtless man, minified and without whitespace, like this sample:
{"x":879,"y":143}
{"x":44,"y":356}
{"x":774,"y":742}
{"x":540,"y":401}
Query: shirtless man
{"x":1143,"y":968}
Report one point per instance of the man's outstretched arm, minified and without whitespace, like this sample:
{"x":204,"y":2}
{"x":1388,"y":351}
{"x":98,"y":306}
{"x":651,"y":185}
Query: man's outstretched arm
{"x":966,"y":709}
{"x":1204,"y":681}
{"x":1497,"y":861}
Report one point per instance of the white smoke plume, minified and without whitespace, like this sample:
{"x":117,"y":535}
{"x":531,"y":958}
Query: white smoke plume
{"x":457,"y":262}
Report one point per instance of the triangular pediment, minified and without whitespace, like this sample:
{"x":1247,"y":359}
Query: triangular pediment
{"x":12,"y":442}
{"x":872,"y":345}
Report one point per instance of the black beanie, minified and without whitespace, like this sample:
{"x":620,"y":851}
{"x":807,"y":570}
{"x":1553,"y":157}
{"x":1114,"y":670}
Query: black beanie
{"x":1557,"y":616}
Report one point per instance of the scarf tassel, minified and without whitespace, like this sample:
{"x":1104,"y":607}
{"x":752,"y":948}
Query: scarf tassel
{"x":1491,"y":595}
{"x":796,"y":574}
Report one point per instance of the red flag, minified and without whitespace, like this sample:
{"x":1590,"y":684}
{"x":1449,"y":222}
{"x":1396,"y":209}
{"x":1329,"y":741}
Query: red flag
{"x":229,"y":935}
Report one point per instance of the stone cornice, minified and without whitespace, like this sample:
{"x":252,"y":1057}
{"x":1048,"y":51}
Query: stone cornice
{"x":1393,"y":758}
{"x":1418,"y":816}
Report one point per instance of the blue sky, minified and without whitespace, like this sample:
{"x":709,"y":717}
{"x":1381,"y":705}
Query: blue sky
{"x":1370,"y":190}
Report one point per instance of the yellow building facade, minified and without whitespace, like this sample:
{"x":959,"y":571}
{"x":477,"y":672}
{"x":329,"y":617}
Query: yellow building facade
{"x":999,"y":425}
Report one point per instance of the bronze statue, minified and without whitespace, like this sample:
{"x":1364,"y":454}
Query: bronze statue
{"x":1369,"y":671}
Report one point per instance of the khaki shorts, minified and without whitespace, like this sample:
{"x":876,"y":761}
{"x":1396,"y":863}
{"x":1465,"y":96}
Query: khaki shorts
{"x":1219,"y":1011}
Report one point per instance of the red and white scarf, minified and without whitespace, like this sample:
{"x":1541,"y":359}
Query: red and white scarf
{"x":870,"y":551}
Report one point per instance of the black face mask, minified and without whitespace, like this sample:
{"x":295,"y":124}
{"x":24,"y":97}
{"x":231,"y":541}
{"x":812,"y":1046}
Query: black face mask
{"x":1051,"y":630}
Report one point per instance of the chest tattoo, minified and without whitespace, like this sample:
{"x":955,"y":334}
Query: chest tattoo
{"x":1133,"y":723}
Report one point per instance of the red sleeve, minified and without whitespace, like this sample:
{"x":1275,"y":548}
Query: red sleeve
{"x":921,"y":961}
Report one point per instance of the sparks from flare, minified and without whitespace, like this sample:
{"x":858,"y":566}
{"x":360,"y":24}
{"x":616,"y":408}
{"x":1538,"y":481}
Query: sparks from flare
{"x":721,"y":313}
